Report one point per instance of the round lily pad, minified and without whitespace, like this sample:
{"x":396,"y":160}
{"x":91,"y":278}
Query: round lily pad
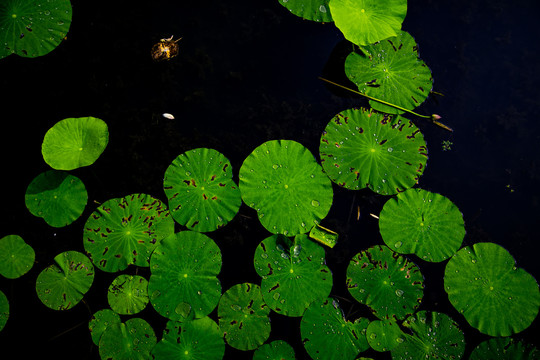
{"x":202,"y":194}
{"x":63,"y":284}
{"x":360,"y":148}
{"x":504,"y":349}
{"x":294,"y":273}
{"x":132,"y":340}
{"x":199,"y":339}
{"x":74,"y":142}
{"x":33,"y":28}
{"x":364,"y":22}
{"x":100,"y":321}
{"x":184,"y":282}
{"x":384,"y":335}
{"x":16,"y":256}
{"x":282,"y":181}
{"x":128,"y":294}
{"x":316,"y":10}
{"x":390,"y":285}
{"x":326,"y":335}
{"x":494,"y":296}
{"x":125,"y":231}
{"x":57,"y":197}
{"x":423,"y":223}
{"x":276,"y":350}
{"x":391,"y":70}
{"x":431,"y":335}
{"x":243,"y":317}
{"x":4,"y":310}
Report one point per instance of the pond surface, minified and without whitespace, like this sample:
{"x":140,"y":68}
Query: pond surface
{"x":247,"y":73}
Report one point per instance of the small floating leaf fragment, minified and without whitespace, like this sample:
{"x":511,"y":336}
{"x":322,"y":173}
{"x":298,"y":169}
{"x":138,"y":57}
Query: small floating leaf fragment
{"x":168,"y":116}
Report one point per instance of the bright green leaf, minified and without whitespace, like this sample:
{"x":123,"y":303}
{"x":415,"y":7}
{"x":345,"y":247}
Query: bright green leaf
{"x":128,"y":294}
{"x":16,"y":256}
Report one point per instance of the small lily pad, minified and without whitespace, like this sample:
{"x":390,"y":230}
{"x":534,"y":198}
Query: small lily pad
{"x":276,"y":350}
{"x":16,"y":256}
{"x":57,"y":197}
{"x":243,"y":317}
{"x":4,"y":310}
{"x":74,"y":142}
{"x":131,"y":340}
{"x":384,"y":335}
{"x":388,"y":283}
{"x":128,"y":294}
{"x":315,"y":10}
{"x":504,"y":349}
{"x":100,"y":321}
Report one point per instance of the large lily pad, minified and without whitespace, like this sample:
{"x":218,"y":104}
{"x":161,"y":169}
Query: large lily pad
{"x":391,"y":70}
{"x":360,"y":148}
{"x":504,"y":349}
{"x":243,"y":317}
{"x":57,"y":197}
{"x":63,"y":284}
{"x":184,"y":281}
{"x":364,"y":22}
{"x":423,"y":223}
{"x":128,"y":294}
{"x":294,"y":273}
{"x":74,"y":142}
{"x":388,"y":283}
{"x":125,"y":231}
{"x":132,"y":340}
{"x":16,"y":256}
{"x":33,"y":28}
{"x":100,"y":321}
{"x":202,"y":194}
{"x":316,"y":10}
{"x":494,"y":296}
{"x":283,"y":182}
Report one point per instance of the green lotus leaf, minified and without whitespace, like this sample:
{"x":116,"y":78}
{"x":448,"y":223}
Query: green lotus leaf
{"x":384,"y":335}
{"x":504,"y":349}
{"x":423,"y":223}
{"x":63,"y":284}
{"x":316,"y":10}
{"x":128,"y":294}
{"x":125,"y":231}
{"x":276,"y":350}
{"x":132,"y":340}
{"x":431,"y":335}
{"x":199,"y":339}
{"x":243,"y":317}
{"x":391,"y":71}
{"x":390,"y":285}
{"x":100,"y":321}
{"x":33,"y":28}
{"x":360,"y":148}
{"x":364,"y":22}
{"x":74,"y":142}
{"x":282,"y":181}
{"x":201,"y":192}
{"x":184,"y":282}
{"x":323,"y":235}
{"x":326,"y":335}
{"x":57,"y":197}
{"x":494,"y":296}
{"x":4,"y":310}
{"x":16,"y":256}
{"x":294,"y":273}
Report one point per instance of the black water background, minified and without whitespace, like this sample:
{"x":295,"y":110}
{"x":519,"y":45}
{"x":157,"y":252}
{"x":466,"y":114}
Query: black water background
{"x":247,"y":73}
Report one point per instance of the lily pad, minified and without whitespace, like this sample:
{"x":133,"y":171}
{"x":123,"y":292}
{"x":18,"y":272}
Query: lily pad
{"x":391,"y":70}
{"x":16,"y":256}
{"x":125,"y":231}
{"x":316,"y":10}
{"x":100,"y":321}
{"x":282,"y":181}
{"x":384,"y":335}
{"x":294,"y":273}
{"x":276,"y":350}
{"x":63,"y":284}
{"x":128,"y":294}
{"x":243,"y":317}
{"x":132,"y":340}
{"x":33,"y":28}
{"x":184,"y":282}
{"x":364,"y":22}
{"x":504,"y":349}
{"x":57,"y":197}
{"x":494,"y":296}
{"x":390,"y":285}
{"x":4,"y":310}
{"x":199,"y":339}
{"x":432,"y":335}
{"x":360,"y":148}
{"x":423,"y":223}
{"x":74,"y":142}
{"x":327,"y":335}
{"x":202,"y":194}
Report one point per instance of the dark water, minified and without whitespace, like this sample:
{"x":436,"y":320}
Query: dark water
{"x":247,"y":73}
